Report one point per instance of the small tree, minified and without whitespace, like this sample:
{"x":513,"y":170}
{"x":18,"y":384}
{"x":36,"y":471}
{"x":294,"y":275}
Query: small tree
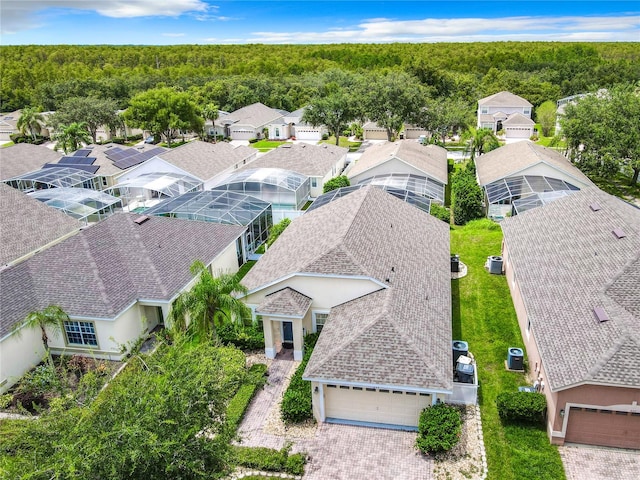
{"x":546,"y":116}
{"x":466,"y":196}
{"x":210,"y":112}
{"x":480,"y":140}
{"x":439,"y":428}
{"x":70,"y":138}
{"x":30,"y":122}
{"x":51,"y":318}
{"x":335,"y":183}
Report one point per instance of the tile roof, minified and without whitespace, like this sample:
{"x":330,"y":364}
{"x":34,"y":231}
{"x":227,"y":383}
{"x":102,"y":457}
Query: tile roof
{"x":401,"y":333}
{"x":504,"y":99}
{"x":27,"y":224}
{"x":309,"y":160}
{"x":24,"y":158}
{"x":255,"y":115}
{"x":206,"y":160}
{"x":518,"y":119}
{"x":287,"y":301}
{"x":430,"y":159}
{"x":102,"y":270}
{"x":512,"y":158}
{"x":567,"y":261}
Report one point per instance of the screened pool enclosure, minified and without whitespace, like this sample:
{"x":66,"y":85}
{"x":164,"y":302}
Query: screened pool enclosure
{"x":54,"y":178}
{"x":82,"y":203}
{"x":149,"y":189}
{"x":425,"y":186}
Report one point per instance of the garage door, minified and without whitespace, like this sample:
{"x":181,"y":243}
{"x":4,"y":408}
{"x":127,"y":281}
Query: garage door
{"x":374,"y":405}
{"x":375,"y":134}
{"x":603,"y":427}
{"x":308,"y":134}
{"x":518,"y":132}
{"x":242,"y":134}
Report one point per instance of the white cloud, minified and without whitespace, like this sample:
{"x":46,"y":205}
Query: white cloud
{"x":20,"y":15}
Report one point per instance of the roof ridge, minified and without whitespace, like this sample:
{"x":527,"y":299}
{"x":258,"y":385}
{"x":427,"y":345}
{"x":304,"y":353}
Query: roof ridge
{"x":102,"y":289}
{"x":608,"y":355}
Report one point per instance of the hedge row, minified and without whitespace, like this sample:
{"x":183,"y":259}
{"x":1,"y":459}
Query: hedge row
{"x":240,"y":401}
{"x":296,"y":403}
{"x":244,"y":337}
{"x":269,"y":459}
{"x":528,"y":407}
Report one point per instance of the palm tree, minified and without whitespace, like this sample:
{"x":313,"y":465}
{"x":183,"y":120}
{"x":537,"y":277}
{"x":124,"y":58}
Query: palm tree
{"x":210,"y":300}
{"x":52,"y":318}
{"x":30,"y":121}
{"x":70,"y":138}
{"x":210,"y":112}
{"x":481,"y":140}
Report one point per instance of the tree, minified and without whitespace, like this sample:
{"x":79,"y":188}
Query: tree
{"x":70,"y":138}
{"x":30,"y":121}
{"x":335,"y":111}
{"x":481,"y":140}
{"x":442,"y":116}
{"x":51,"y":318}
{"x":210,"y":300}
{"x":210,"y":112}
{"x":335,"y":183}
{"x":93,"y":112}
{"x":546,"y":116}
{"x":391,"y":100}
{"x":164,"y":111}
{"x":466,"y":196}
{"x":603,"y":132}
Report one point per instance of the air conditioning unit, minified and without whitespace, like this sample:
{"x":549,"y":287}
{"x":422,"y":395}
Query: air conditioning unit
{"x":455,"y":263}
{"x":464,"y":372}
{"x":460,"y":347}
{"x":494,"y":264}
{"x":515,"y":358}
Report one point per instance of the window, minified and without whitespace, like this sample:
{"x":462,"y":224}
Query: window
{"x":527,"y":111}
{"x":484,"y":110}
{"x":319,"y":320}
{"x":80,"y":333}
{"x":314,"y":182}
{"x":104,"y":181}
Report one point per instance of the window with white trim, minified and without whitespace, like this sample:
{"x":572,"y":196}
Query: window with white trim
{"x":80,"y":333}
{"x":314,"y":182}
{"x":484,"y":110}
{"x":319,"y":319}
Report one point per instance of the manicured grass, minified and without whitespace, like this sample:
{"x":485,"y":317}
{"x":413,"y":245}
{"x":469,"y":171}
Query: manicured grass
{"x":344,"y":142}
{"x":266,"y":145}
{"x":244,"y":269}
{"x":483,"y":315}
{"x":8,"y":144}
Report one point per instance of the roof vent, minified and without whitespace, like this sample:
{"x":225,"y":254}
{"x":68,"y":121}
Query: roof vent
{"x":618,"y":233}
{"x":601,"y":314}
{"x":141,"y":219}
{"x":595,"y":207}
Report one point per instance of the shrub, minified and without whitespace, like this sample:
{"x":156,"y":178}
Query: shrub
{"x":439,"y":428}
{"x":524,"y":407}
{"x":240,"y":401}
{"x":244,"y":337}
{"x":253,"y":140}
{"x":295,"y":464}
{"x":270,"y":460}
{"x":277,"y":230}
{"x":466,"y":196}
{"x":335,"y":183}
{"x":325,"y":136}
{"x":296,"y":404}
{"x":440,"y":212}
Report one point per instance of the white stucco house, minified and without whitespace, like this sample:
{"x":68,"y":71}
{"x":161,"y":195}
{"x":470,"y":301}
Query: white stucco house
{"x":248,"y":122}
{"x":349,"y":271}
{"x":504,"y":111}
{"x":116,"y":280}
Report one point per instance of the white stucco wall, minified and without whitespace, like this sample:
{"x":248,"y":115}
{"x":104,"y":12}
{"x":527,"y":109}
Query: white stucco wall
{"x":393,"y":165}
{"x":547,"y":171}
{"x":19,"y":354}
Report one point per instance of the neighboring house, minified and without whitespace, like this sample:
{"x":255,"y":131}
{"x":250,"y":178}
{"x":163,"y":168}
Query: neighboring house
{"x":318,"y":162}
{"x":413,"y":132}
{"x":300,"y":129}
{"x":523,"y":175}
{"x":506,"y":112}
{"x":23,"y":158}
{"x":573,"y":268}
{"x":249,"y":122}
{"x":373,"y":131}
{"x":116,"y":280}
{"x":201,"y":160}
{"x":104,"y":133}
{"x":8,"y":126}
{"x":28,"y":226}
{"x":406,"y":164}
{"x":350,"y":271}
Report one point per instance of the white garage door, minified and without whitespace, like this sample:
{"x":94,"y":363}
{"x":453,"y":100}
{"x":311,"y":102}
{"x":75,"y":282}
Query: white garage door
{"x":242,"y":134}
{"x":609,"y":428}
{"x":308,"y":134}
{"x":518,"y":132}
{"x":374,"y":405}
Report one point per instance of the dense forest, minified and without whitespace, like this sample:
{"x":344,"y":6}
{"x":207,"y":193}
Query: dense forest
{"x":286,"y":76}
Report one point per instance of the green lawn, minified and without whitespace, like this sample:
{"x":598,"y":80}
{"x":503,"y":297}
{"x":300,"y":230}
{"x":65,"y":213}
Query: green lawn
{"x":245,"y":268}
{"x":344,"y":142}
{"x":266,"y":145}
{"x":483,"y":315}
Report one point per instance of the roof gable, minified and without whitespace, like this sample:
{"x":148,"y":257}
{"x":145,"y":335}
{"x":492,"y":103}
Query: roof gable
{"x":255,"y":115}
{"x":24,"y":158}
{"x":309,"y":160}
{"x":504,"y":99}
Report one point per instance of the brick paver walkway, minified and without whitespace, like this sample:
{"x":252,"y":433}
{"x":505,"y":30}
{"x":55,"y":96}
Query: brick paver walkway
{"x":337,"y":452}
{"x":584,"y":462}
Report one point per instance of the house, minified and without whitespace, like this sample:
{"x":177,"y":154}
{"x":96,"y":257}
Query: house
{"x":300,"y":129}
{"x":573,"y":268}
{"x":28,"y":226}
{"x":201,"y":160}
{"x":350,"y":271}
{"x":8,"y":125}
{"x":523,"y":175}
{"x":373,"y":131}
{"x":405,"y":164}
{"x":23,"y":158}
{"x":116,"y":280}
{"x":504,"y":111}
{"x":318,"y":162}
{"x":249,"y":122}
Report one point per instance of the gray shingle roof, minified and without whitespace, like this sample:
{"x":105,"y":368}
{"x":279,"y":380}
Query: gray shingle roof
{"x":285,"y":302}
{"x":27,"y":224}
{"x":512,"y":158}
{"x":518,"y":119}
{"x":567,"y":262}
{"x":309,"y":160}
{"x":255,"y":115}
{"x":102,"y":270}
{"x":430,"y":159}
{"x":504,"y":99}
{"x":107,"y":168}
{"x":399,"y":335}
{"x":24,"y":158}
{"x":206,"y":160}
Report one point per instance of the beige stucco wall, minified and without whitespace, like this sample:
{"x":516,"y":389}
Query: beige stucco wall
{"x":226,"y":262}
{"x":19,"y":354}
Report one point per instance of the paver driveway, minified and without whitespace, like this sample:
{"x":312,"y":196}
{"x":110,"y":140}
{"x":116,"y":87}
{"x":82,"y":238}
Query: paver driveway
{"x":585,"y":462}
{"x":337,"y":452}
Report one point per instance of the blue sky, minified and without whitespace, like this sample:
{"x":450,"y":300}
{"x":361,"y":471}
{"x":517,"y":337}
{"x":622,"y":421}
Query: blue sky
{"x":166,"y":22}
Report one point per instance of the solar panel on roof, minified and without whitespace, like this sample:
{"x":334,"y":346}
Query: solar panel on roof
{"x":77,"y":160}
{"x":129,"y":162}
{"x":84,"y":152}
{"x":115,"y":156}
{"x":86,"y":168}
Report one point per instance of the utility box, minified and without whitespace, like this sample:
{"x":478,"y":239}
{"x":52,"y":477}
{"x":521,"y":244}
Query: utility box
{"x":494,"y":264}
{"x":465,"y":373}
{"x":515,"y":358}
{"x":455,"y":263}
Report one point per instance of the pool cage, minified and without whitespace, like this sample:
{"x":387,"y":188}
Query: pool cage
{"x":221,"y":206}
{"x":54,"y":178}
{"x":82,"y":203}
{"x":425,"y":186}
{"x":283,"y":189}
{"x":150,"y":189}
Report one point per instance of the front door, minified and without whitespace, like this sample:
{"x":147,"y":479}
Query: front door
{"x":287,"y":334}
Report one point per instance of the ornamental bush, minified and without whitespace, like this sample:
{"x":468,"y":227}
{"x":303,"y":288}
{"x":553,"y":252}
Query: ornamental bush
{"x":296,"y":404}
{"x":439,"y":428}
{"x":244,"y":337}
{"x":466,"y":196}
{"x":527,"y":407}
{"x":440,"y":212}
{"x":335,"y":183}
